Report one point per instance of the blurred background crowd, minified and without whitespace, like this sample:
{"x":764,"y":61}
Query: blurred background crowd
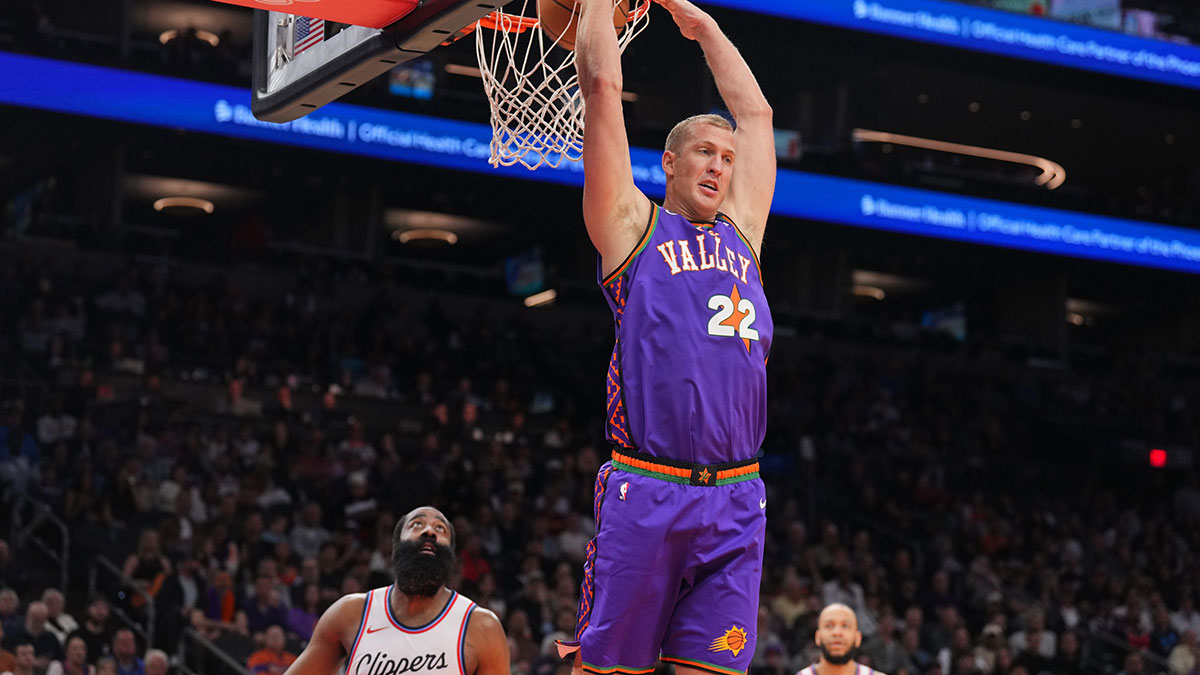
{"x":229,"y":458}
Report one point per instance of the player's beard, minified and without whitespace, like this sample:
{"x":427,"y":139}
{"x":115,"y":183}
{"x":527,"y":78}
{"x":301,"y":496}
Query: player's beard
{"x":838,"y":659}
{"x":420,"y":574}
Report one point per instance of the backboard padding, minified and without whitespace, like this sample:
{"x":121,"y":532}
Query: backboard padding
{"x":347,"y":60}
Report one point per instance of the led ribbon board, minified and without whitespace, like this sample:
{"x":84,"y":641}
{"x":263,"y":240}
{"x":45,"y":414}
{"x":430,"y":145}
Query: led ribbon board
{"x":997,"y":32}
{"x":154,"y":100}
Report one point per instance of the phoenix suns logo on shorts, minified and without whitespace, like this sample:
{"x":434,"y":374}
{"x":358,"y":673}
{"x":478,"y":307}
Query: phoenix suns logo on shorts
{"x":734,"y":640}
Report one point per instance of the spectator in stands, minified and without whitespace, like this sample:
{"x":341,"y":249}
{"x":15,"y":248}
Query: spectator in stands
{"x":7,"y":659}
{"x":45,"y":645}
{"x":939,"y":594}
{"x":56,"y":425}
{"x":273,"y":658}
{"x":96,"y":631}
{"x":794,"y":601}
{"x":221,"y":611}
{"x":775,"y":662}
{"x":308,"y":534}
{"x":1134,"y":664}
{"x":359,"y":507}
{"x":148,"y":568}
{"x":130,"y":498}
{"x":303,"y":616}
{"x":1184,"y":659}
{"x":58,"y":621}
{"x":1129,"y":626}
{"x":157,"y":662}
{"x":1186,"y":617}
{"x":843,"y":589}
{"x":19,"y":470}
{"x":767,"y":637}
{"x":76,"y":661}
{"x":472,"y":561}
{"x":1035,"y":622}
{"x":1004,"y":661}
{"x":1069,"y":660}
{"x":329,"y":564}
{"x":989,"y":644}
{"x":1033,"y":657}
{"x":125,"y":653}
{"x":10,"y":615}
{"x":106,"y":666}
{"x":183,"y":592}
{"x":886,"y":653}
{"x":919,"y":660}
{"x":308,"y":574}
{"x":1164,"y":637}
{"x":264,"y":609}
{"x":25,"y":660}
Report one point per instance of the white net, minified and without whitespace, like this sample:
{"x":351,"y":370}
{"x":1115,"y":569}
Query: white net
{"x":532,"y":86}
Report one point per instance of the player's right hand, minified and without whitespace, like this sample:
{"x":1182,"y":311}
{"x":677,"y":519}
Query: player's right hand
{"x":692,"y":20}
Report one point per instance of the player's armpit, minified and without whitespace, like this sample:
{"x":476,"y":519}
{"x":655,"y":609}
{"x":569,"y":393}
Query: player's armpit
{"x":614,"y":209}
{"x":753,"y":184}
{"x":487,"y":646}
{"x":332,"y":637}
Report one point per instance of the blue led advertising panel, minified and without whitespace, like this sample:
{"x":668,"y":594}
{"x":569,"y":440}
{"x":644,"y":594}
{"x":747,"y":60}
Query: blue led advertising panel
{"x":94,"y":91}
{"x":998,"y":32}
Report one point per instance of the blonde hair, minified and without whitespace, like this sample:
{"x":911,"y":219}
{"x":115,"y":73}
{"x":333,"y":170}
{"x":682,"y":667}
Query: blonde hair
{"x":679,"y":134}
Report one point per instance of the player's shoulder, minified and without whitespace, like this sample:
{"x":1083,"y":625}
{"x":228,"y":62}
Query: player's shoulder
{"x":484,"y":619}
{"x":347,"y":608}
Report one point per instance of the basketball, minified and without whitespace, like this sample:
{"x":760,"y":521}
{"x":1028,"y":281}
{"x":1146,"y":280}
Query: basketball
{"x":558,"y":19}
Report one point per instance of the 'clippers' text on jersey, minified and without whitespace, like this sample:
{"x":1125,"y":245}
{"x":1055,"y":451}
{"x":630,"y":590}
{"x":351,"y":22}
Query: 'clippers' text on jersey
{"x":384,"y":646}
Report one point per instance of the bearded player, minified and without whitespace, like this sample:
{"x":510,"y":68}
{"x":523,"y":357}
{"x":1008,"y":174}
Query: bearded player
{"x":674,"y":570}
{"x":838,"y":638}
{"x":415,"y":625}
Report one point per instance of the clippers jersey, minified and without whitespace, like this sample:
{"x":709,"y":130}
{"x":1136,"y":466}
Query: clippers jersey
{"x":687,"y":380}
{"x":859,"y":669}
{"x":385,"y":647}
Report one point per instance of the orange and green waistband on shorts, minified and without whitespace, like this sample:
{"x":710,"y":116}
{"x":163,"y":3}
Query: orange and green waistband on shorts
{"x":686,"y":473}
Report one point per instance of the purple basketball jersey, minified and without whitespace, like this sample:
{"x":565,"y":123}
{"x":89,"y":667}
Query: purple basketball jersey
{"x":687,"y":379}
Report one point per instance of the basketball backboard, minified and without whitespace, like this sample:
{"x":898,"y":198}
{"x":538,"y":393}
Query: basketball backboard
{"x":302,"y":62}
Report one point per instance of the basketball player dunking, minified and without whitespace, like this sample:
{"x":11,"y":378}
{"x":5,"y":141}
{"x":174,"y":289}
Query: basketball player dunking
{"x":674,"y":570}
{"x":838,"y":638}
{"x":416,"y":625}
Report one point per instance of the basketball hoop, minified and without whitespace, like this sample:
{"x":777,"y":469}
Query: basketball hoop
{"x":533,"y":88}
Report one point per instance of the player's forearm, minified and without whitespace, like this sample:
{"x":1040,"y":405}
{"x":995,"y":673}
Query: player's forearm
{"x":736,"y":83}
{"x":597,"y":56}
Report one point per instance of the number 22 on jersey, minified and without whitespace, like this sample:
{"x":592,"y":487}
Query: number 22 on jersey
{"x":734,"y":317}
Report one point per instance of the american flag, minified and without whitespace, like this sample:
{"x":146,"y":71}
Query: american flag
{"x":308,"y":33}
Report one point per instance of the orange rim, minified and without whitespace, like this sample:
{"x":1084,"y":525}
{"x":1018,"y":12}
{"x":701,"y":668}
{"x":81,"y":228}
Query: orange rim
{"x":639,"y":11}
{"x":510,"y":23}
{"x":520,"y":24}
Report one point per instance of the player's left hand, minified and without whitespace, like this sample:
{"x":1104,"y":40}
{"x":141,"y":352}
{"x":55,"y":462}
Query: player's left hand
{"x":692,"y":20}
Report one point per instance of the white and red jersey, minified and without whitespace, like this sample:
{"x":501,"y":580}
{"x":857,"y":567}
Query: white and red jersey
{"x":384,"y":646}
{"x":859,"y":669}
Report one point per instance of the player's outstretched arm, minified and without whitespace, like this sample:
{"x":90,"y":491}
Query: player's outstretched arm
{"x":753,"y":183}
{"x":331,"y":638}
{"x":614,"y":210}
{"x":486,"y":640}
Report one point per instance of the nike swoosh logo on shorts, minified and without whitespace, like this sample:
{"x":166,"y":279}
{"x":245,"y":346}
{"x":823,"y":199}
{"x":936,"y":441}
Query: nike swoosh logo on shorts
{"x":762,"y":503}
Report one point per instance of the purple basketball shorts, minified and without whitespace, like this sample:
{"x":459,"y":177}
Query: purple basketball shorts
{"x":673,"y":573}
